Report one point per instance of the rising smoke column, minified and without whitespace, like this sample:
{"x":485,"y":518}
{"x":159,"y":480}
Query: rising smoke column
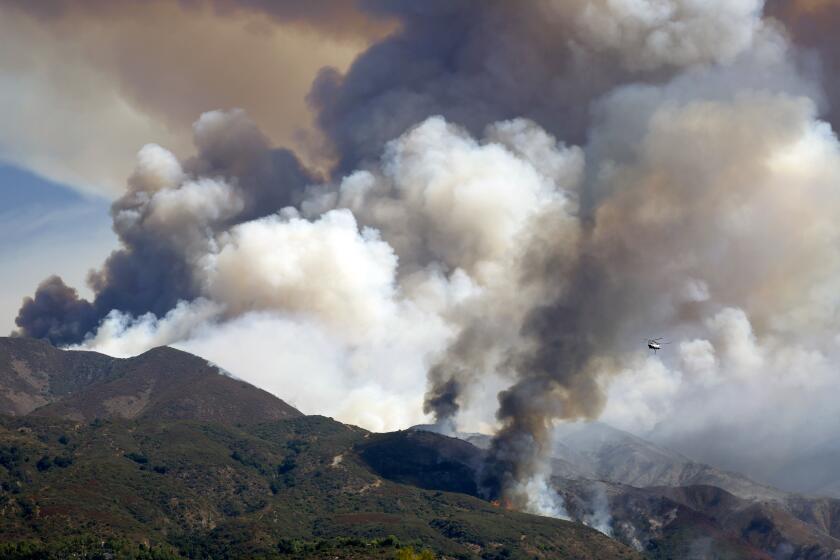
{"x":659,"y":233}
{"x":574,"y":307}
{"x":541,"y":263}
{"x":478,"y":63}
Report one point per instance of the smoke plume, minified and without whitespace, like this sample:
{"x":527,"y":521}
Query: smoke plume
{"x":478,"y":63}
{"x":167,"y":216}
{"x":523,"y":193}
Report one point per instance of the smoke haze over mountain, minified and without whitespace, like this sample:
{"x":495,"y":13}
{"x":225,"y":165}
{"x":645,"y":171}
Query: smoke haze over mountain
{"x":515,"y":197}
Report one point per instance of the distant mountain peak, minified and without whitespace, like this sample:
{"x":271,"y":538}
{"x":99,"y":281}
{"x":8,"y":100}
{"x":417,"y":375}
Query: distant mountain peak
{"x":36,"y":378}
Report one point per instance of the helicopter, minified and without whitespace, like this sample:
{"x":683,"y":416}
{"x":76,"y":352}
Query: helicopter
{"x":656,"y":344}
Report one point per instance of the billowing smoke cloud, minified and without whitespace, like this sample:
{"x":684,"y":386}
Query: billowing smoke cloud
{"x":166,"y":219}
{"x":461,"y":236}
{"x":56,"y":313}
{"x":476,"y":63}
{"x":402,"y":246}
{"x":746,"y":273}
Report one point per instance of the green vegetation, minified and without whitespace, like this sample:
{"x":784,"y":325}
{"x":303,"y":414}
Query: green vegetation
{"x":296,"y":488}
{"x":85,"y":547}
{"x":409,"y":554}
{"x":90,"y":547}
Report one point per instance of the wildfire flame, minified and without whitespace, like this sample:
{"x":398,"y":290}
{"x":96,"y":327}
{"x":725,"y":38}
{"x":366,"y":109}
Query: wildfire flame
{"x":503,"y":503}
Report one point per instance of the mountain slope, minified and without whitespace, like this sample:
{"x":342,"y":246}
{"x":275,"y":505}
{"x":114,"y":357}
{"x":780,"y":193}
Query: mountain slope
{"x":669,"y":521}
{"x":815,"y":472}
{"x":673,"y":520}
{"x":34,"y":373}
{"x":36,"y":378}
{"x":596,"y":451}
{"x":607,"y":453}
{"x":164,"y":449}
{"x":220,"y":491}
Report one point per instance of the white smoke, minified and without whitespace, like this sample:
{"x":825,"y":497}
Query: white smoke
{"x":327,"y":268}
{"x":377,"y":384}
{"x":708,"y":201}
{"x":445,"y":198}
{"x":122,"y":335}
{"x":735,"y":399}
{"x":541,"y":497}
{"x":726,"y":203}
{"x":647,"y":34}
{"x":599,"y":516}
{"x":359,"y":290}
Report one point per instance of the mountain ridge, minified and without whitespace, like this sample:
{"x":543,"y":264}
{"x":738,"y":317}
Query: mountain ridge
{"x":597,"y":451}
{"x":598,"y":478}
{"x":36,"y":378}
{"x":165,"y":447}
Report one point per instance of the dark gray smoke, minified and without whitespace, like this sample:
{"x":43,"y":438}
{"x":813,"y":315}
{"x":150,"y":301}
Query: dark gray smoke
{"x":56,"y":313}
{"x":442,"y":399}
{"x":474,"y":63}
{"x":540,"y":258}
{"x":813,"y":27}
{"x":152,"y":270}
{"x":556,"y":363}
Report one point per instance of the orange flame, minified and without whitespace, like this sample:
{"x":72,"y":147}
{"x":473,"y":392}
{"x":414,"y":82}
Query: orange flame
{"x":505,"y":503}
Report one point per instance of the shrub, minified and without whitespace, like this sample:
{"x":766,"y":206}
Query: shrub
{"x":288,"y":546}
{"x":43,"y":463}
{"x":63,"y":461}
{"x":390,"y":540}
{"x":410,"y":554}
{"x":138,"y":458}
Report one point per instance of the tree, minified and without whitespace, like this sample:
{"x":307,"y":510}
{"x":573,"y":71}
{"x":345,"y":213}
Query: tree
{"x":410,"y":554}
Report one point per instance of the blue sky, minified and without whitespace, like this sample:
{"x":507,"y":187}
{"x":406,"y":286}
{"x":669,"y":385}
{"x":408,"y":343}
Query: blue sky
{"x":46,"y":228}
